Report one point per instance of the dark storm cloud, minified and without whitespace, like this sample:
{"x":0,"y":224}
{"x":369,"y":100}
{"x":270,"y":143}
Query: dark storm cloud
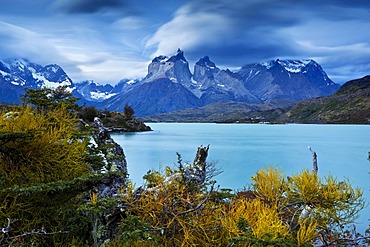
{"x":85,"y":6}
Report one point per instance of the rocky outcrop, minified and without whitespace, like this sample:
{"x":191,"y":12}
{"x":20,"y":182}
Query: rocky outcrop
{"x":114,"y":157}
{"x":106,"y":221}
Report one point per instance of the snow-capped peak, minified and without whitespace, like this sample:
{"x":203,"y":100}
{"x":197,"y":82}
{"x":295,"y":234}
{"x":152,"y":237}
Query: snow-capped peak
{"x":292,"y":66}
{"x":21,"y":72}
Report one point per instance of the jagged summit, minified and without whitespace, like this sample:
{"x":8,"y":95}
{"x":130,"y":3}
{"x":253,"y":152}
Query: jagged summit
{"x":206,"y":62}
{"x":204,"y":69}
{"x":179,"y":56}
{"x":175,"y":68}
{"x":25,"y":73}
{"x":217,"y":85}
{"x":159,"y":59}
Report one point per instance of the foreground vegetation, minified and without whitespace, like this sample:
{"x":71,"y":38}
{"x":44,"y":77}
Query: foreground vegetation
{"x":302,"y":210}
{"x":51,"y":175}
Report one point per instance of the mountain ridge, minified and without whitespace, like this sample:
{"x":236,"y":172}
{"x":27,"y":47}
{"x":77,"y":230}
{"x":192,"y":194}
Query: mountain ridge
{"x":169,"y":84}
{"x":254,"y":84}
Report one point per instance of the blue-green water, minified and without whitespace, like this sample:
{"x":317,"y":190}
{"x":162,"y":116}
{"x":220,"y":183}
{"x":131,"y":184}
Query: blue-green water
{"x":240,"y":150}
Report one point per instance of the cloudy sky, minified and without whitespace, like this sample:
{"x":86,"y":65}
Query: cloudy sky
{"x":108,"y":40}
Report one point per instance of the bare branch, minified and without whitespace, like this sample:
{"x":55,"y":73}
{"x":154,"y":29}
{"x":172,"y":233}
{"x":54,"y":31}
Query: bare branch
{"x":200,"y":204}
{"x":41,"y":231}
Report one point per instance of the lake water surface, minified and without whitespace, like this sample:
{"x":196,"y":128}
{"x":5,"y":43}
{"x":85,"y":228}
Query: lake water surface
{"x":240,"y":150}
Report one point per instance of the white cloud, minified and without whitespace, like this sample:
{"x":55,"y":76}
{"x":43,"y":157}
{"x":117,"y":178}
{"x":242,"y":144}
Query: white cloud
{"x":20,"y":42}
{"x":129,"y":23}
{"x":188,"y":30}
{"x":80,"y":52}
{"x":113,"y":70}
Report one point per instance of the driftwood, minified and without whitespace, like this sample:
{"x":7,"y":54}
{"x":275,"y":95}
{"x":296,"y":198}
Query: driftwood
{"x":197,"y":172}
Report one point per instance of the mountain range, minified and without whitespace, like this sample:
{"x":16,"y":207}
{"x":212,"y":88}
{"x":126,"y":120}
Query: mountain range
{"x":18,"y":74}
{"x":170,"y":85}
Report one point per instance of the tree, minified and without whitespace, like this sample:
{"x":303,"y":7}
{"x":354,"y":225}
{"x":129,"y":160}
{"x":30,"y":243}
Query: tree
{"x":44,"y":178}
{"x":47,"y":99}
{"x":128,"y":111}
{"x":89,"y":113}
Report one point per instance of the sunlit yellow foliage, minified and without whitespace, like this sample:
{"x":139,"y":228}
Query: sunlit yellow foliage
{"x":307,"y":231}
{"x":265,"y":220}
{"x":270,"y":184}
{"x":178,"y":214}
{"x":39,"y":143}
{"x":94,"y":197}
{"x":39,"y":151}
{"x":306,"y":185}
{"x":277,"y":211}
{"x":262,"y":219}
{"x":332,"y":201}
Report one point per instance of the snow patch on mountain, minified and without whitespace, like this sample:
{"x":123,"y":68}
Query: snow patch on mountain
{"x":15,"y":83}
{"x":3,"y":73}
{"x":294,"y":66}
{"x":50,"y":84}
{"x":194,"y":81}
{"x":268,"y":64}
{"x":101,"y":95}
{"x":130,"y":82}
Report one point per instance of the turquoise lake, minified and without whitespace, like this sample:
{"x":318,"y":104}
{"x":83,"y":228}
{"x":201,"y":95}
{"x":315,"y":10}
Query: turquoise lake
{"x":240,"y":150}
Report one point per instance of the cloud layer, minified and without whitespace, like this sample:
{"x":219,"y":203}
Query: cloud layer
{"x":108,"y":40}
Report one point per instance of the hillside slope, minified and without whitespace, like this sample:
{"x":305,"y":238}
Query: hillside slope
{"x":350,"y":104}
{"x":226,"y":112}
